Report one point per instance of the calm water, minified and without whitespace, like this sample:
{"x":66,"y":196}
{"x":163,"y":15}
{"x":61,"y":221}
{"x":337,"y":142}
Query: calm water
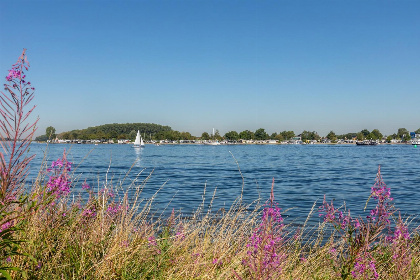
{"x":303,"y":174}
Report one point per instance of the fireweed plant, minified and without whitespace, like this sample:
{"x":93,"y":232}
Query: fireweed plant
{"x":362,"y":240}
{"x":15,"y":137}
{"x":266,"y":252}
{"x":50,"y":231}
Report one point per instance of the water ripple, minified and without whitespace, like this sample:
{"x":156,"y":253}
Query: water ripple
{"x":303,"y":174}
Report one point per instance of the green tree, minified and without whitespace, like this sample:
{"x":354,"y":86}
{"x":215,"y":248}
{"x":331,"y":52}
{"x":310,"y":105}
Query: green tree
{"x":186,"y":136}
{"x":350,"y":135}
{"x":74,"y":135}
{"x":273,"y":135}
{"x":365,"y":132}
{"x":307,"y":135}
{"x":116,"y":130}
{"x":246,"y":135}
{"x":217,"y":135}
{"x":260,"y":134}
{"x":41,"y":138}
{"x":402,"y":133}
{"x":371,"y":136}
{"x":205,"y":136}
{"x":171,"y":135}
{"x":50,"y":132}
{"x":332,"y":136}
{"x":132,"y":135}
{"x":377,"y":134}
{"x":287,"y":135}
{"x":84,"y":136}
{"x":406,"y":138}
{"x":232,"y":135}
{"x":279,"y":137}
{"x":417,"y":131}
{"x":360,"y":136}
{"x":100,"y":135}
{"x":394,"y":136}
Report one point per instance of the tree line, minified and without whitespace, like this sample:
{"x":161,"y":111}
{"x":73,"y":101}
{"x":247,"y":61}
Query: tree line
{"x":157,"y":132}
{"x":108,"y":131}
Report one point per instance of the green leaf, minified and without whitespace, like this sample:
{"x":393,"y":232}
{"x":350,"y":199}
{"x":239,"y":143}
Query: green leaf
{"x":5,"y":275}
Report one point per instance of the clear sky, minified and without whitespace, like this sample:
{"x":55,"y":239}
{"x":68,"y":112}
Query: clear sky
{"x":230,"y":65}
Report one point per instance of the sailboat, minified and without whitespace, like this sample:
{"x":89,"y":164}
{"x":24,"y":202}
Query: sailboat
{"x":138,"y":143}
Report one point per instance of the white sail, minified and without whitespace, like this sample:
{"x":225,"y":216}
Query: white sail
{"x":141,"y":142}
{"x":138,"y":140}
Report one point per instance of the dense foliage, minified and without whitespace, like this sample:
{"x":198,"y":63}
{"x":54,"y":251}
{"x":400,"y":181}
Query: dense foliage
{"x":159,"y":132}
{"x":116,"y":131}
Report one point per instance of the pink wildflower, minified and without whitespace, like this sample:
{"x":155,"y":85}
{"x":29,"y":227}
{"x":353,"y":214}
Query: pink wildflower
{"x":85,"y":186}
{"x":382,"y":194}
{"x":113,"y":210}
{"x":365,"y":267}
{"x":264,"y":255}
{"x":152,"y":241}
{"x":153,"y":244}
{"x":180,"y":236}
{"x":6,"y":226}
{"x":107,"y":192}
{"x":89,"y":212}
{"x":59,"y":182}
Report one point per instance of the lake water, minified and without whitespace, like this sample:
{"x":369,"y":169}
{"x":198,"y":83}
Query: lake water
{"x":302,"y":173}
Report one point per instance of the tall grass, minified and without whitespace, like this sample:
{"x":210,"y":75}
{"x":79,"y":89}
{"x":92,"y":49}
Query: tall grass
{"x":49,"y":231}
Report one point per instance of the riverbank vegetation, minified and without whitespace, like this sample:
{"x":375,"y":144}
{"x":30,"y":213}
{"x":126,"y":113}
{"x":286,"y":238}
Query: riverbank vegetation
{"x":59,"y":227}
{"x":55,"y":232}
{"x":155,"y":132}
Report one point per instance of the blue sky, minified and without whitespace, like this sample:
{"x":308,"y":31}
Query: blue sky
{"x":231,"y":65}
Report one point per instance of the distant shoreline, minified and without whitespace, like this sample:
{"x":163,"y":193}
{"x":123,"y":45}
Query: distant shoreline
{"x":222,"y":144}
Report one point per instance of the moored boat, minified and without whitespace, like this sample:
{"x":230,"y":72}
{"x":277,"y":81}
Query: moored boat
{"x":366,"y":143}
{"x":415,"y":141}
{"x":213,"y":142}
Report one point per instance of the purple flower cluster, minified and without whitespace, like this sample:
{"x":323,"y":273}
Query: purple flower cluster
{"x":85,"y":186}
{"x":400,"y":243}
{"x":361,"y":236}
{"x":400,"y":233}
{"x":382,"y":194}
{"x":180,"y":236}
{"x":6,"y":226}
{"x":107,"y":192}
{"x":59,"y":182}
{"x":336,"y":217}
{"x":13,"y":74}
{"x":89,"y":212}
{"x":217,"y":262}
{"x":114,"y":210}
{"x":17,"y":73}
{"x":16,"y":127}
{"x":365,"y":267}
{"x":153,"y":244}
{"x":264,"y":255}
{"x":152,"y":241}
